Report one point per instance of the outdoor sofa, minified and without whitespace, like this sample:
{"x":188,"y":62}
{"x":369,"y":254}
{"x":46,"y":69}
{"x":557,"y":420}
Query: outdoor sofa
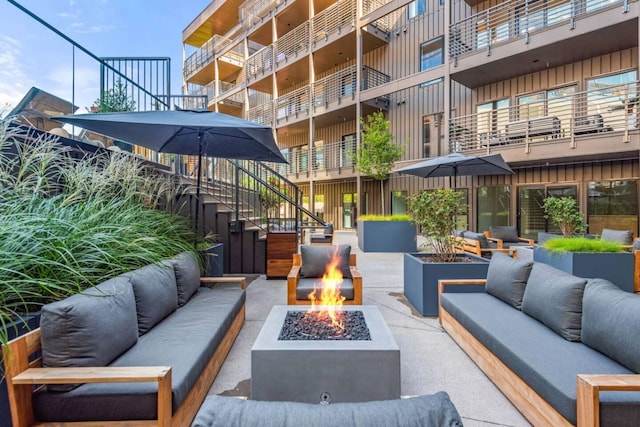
{"x":563,"y":349}
{"x":145,"y":345}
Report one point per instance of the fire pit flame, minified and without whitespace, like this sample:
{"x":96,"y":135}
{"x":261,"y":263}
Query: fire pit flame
{"x":330,"y":300}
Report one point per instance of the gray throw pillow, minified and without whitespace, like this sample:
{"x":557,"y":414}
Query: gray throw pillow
{"x":624,"y":237}
{"x":154,"y":287}
{"x":187,"y":270}
{"x":507,"y":233}
{"x":555,"y":298}
{"x":484,"y":242}
{"x":611,"y":321}
{"x":315,"y":259}
{"x":636,"y":245}
{"x":89,"y":329}
{"x":507,"y":278}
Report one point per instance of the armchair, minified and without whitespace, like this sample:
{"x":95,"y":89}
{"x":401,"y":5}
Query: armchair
{"x":309,"y":266}
{"x":478,"y":244}
{"x":506,"y":236}
{"x":324,"y":238}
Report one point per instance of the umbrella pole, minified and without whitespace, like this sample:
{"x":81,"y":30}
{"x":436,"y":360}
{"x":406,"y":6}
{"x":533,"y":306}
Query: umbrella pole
{"x":199,"y":179}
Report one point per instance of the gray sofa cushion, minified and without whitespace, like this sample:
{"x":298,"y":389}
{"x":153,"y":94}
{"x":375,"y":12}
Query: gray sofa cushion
{"x":435,"y":410}
{"x":305,"y":287}
{"x":154,"y":287}
{"x":636,"y":245}
{"x":624,"y":237}
{"x":316,"y":258}
{"x":484,"y":242}
{"x":544,"y":360}
{"x":507,"y":278}
{"x":185,"y":340}
{"x":611,"y":322}
{"x":89,"y":329}
{"x":508,"y":233}
{"x":555,"y":298}
{"x":187,"y":270}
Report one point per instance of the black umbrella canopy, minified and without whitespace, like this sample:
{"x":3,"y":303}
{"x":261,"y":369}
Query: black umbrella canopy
{"x":457,"y":164}
{"x":186,"y":132}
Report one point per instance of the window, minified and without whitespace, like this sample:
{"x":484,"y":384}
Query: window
{"x":426,"y":137}
{"x":398,"y":202}
{"x":614,"y":98}
{"x":348,"y":150}
{"x":613,"y":204}
{"x":493,"y":207}
{"x":531,"y":218}
{"x":348,"y":84}
{"x":492,"y":120}
{"x":416,"y":7}
{"x":431,"y":53}
{"x":557,"y":102}
{"x":318,"y":205}
{"x":318,"y":155}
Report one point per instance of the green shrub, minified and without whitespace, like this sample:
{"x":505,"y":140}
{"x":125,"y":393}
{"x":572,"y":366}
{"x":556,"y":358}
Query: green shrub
{"x":384,"y":218}
{"x":564,"y":212}
{"x":581,"y":244}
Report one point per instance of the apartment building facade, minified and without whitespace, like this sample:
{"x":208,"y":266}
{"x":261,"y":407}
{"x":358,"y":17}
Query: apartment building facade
{"x":552,"y":85}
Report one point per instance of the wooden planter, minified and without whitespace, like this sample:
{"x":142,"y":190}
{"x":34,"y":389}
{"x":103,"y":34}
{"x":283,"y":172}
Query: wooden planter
{"x":616,"y":267}
{"x":387,"y":236}
{"x":421,"y":279}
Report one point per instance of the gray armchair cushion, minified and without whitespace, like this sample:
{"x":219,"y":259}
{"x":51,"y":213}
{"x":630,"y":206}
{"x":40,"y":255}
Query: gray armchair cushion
{"x":187,"y":271}
{"x":484,"y":242}
{"x":507,"y":278}
{"x":435,"y":410}
{"x":328,"y":229}
{"x":555,"y":298}
{"x":507,"y":233}
{"x":459,"y":232}
{"x":306,"y":285}
{"x":89,"y":329}
{"x":316,"y":258}
{"x":154,"y":287}
{"x":636,"y":245}
{"x":624,"y":237}
{"x":611,"y":321}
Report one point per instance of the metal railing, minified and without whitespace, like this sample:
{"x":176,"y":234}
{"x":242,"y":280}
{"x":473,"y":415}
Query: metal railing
{"x":333,"y":156}
{"x":514,"y":19}
{"x":260,"y":63}
{"x":384,"y":23}
{"x":293,"y":104}
{"x":199,"y":59}
{"x":372,"y":78}
{"x":335,"y":87}
{"x":251,"y":11}
{"x":257,"y":98}
{"x":292,"y":44}
{"x":601,"y":111}
{"x":233,"y":55}
{"x":199,"y":90}
{"x":262,"y":114}
{"x":332,"y":19}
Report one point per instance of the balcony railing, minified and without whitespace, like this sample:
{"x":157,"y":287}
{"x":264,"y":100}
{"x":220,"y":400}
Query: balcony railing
{"x":333,"y":18}
{"x":198,"y":90}
{"x":513,"y":19}
{"x":369,"y":6}
{"x":259,"y":63}
{"x":198,"y":59}
{"x":262,"y":114}
{"x":251,"y":11}
{"x":335,"y":87}
{"x":293,"y":43}
{"x":601,"y":111}
{"x":234,"y":55}
{"x":293,"y":105}
{"x":333,"y":156}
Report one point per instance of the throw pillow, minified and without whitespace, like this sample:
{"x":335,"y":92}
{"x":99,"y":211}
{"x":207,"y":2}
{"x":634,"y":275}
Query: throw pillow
{"x":611,"y":321}
{"x":315,"y":259}
{"x":154,"y":287}
{"x":507,"y":278}
{"x":484,"y":242}
{"x":187,"y":270}
{"x":623,"y":237}
{"x":507,"y":233}
{"x":89,"y":329}
{"x":555,"y":298}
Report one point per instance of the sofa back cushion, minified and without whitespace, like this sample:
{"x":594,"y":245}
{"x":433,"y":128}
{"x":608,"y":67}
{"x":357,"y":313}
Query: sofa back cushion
{"x":611,"y":321}
{"x":507,"y":278}
{"x":484,"y":242}
{"x":555,"y":298}
{"x":89,"y":329}
{"x":624,"y":237}
{"x":187,"y":270}
{"x":316,"y":258}
{"x":154,"y":287}
{"x":507,"y":233}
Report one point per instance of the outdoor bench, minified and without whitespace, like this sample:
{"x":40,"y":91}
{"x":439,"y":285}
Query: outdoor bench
{"x":563,"y":349}
{"x":142,"y":348}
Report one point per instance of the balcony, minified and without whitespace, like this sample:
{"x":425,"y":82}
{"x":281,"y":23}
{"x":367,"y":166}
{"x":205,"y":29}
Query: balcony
{"x":336,"y":20}
{"x":252,"y":12}
{"x":292,"y":46}
{"x":262,"y":114}
{"x":335,"y":90}
{"x":293,"y":106}
{"x":520,"y":37}
{"x":584,"y":124}
{"x":199,"y":60}
{"x":259,"y":65}
{"x":333,"y":156}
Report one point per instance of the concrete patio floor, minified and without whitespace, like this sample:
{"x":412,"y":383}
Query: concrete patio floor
{"x":430,"y":360}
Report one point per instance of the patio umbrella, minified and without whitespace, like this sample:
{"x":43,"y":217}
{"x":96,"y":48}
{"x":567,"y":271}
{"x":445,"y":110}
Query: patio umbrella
{"x":189,"y":132}
{"x":457,"y":164}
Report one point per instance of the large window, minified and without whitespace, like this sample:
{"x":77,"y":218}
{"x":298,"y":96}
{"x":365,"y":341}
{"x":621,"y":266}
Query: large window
{"x":531,"y":219}
{"x":432,"y":53}
{"x":416,"y":7}
{"x":557,"y":103}
{"x":398,"y":202}
{"x":613,"y":204}
{"x":614,"y":98}
{"x":492,"y":119}
{"x":494,"y":205}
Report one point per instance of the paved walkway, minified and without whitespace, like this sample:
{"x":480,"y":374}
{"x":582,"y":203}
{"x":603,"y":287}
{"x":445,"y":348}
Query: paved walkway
{"x":431,"y":361}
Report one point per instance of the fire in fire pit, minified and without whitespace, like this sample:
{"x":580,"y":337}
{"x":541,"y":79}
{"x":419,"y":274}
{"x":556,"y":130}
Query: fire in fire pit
{"x":301,"y":325}
{"x":327,"y":295}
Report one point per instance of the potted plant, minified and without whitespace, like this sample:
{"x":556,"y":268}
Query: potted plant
{"x":391,"y":233}
{"x":435,"y":212}
{"x":563,"y":212}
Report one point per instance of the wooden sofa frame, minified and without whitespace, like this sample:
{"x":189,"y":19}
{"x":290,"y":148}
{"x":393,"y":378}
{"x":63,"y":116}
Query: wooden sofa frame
{"x":22,"y":375}
{"x":500,"y":243}
{"x":472,"y":246}
{"x":294,"y":277}
{"x":537,"y":410}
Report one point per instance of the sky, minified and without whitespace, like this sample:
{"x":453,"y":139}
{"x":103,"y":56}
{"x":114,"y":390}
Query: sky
{"x":32,"y":55}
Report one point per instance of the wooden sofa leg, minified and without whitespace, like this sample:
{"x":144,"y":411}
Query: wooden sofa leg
{"x":588,"y":403}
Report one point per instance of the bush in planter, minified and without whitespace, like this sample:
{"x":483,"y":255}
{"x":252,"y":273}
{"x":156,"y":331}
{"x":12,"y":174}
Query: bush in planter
{"x":582,"y":244}
{"x":564,"y":212}
{"x":435,"y":211}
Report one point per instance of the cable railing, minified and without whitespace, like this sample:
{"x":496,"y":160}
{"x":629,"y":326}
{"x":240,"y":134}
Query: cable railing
{"x":332,"y":19}
{"x":513,"y":19}
{"x":293,"y":43}
{"x":260,"y":63}
{"x":293,"y":105}
{"x":602,"y":111}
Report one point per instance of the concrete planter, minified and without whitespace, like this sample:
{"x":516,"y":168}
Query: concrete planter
{"x":213,"y":258}
{"x":617,"y":267}
{"x":387,"y":236}
{"x":421,"y":279}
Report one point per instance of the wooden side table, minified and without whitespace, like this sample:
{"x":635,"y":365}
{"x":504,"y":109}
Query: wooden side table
{"x":280,"y":250}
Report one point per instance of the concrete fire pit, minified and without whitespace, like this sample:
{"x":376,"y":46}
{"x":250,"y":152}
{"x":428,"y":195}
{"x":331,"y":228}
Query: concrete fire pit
{"x":325,"y":370}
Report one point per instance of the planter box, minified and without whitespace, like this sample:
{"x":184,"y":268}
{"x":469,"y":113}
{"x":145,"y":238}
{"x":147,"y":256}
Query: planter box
{"x":544,"y":236}
{"x":14,"y":329}
{"x":387,"y":236}
{"x":214,"y":260}
{"x":618,"y":267}
{"x":421,"y":279}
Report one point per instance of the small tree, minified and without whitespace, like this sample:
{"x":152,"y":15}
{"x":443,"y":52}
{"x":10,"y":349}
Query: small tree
{"x":378,"y":152}
{"x":563,"y":212}
{"x":114,"y":99}
{"x":435,"y":211}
